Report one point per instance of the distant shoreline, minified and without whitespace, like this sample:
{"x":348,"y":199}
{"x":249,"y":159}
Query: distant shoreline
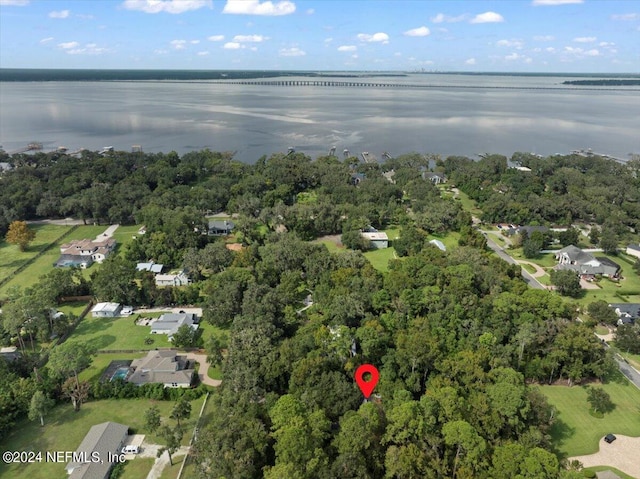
{"x":36,"y":75}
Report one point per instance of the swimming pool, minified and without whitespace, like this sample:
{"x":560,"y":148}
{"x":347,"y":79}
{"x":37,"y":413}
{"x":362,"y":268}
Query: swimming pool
{"x":121,"y":373}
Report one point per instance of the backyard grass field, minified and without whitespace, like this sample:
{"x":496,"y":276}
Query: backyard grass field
{"x":117,"y":333}
{"x":44,"y":263}
{"x":64,"y":430}
{"x":576,"y":432}
{"x":379,"y":258}
{"x":11,"y":258}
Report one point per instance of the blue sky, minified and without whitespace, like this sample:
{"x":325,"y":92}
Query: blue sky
{"x":526,"y":36}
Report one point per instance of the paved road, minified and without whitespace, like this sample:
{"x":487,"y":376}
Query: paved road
{"x":632,"y":374}
{"x":530,"y":280}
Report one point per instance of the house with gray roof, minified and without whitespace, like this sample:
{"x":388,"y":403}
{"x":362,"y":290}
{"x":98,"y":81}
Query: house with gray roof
{"x":628,"y":313}
{"x":221,"y":227}
{"x":435,"y":178}
{"x":585,"y":264}
{"x":165,"y":367}
{"x":92,"y":458}
{"x":169,"y":323}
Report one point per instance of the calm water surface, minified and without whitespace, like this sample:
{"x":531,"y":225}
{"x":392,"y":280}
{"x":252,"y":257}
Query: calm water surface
{"x":450,"y":119}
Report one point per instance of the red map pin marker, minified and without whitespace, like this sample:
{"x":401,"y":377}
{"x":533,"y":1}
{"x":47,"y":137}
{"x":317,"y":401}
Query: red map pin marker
{"x":367,"y":387}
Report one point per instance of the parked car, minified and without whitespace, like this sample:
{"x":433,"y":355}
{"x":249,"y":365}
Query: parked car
{"x":609,"y":438}
{"x":130,"y":449}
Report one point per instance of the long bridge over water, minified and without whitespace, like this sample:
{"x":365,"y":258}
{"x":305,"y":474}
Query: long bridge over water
{"x":369,"y":84}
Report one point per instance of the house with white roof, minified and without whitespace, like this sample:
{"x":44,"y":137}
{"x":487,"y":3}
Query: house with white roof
{"x":150,"y":266}
{"x":106,"y":310}
{"x":378,"y":239}
{"x":178,"y":279}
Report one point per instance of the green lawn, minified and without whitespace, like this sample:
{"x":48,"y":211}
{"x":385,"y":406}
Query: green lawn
{"x":138,"y":468}
{"x":64,"y":430}
{"x":450,"y":240}
{"x":117,"y":333}
{"x":100,"y":362}
{"x":171,"y":472}
{"x":576,"y":432}
{"x":44,"y":263}
{"x":530,"y":269}
{"x":468,"y":204}
{"x":124,"y":235}
{"x":379,"y":258}
{"x":11,"y":258}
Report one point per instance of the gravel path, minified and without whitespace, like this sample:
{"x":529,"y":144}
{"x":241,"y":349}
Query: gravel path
{"x":623,"y":454}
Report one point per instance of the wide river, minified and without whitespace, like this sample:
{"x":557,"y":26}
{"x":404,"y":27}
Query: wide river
{"x":450,"y":117}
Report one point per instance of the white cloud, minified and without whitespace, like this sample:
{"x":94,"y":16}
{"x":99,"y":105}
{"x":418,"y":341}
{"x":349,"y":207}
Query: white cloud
{"x":89,"y":49}
{"x":328,"y":40}
{"x":585,"y":39}
{"x":550,"y":49}
{"x":59,"y":14}
{"x":85,"y":16}
{"x":14,"y":3}
{"x":516,"y":56}
{"x":487,"y":17}
{"x":418,"y":32}
{"x":347,"y":48}
{"x":74,"y":48}
{"x":215,"y":38}
{"x":538,"y":3}
{"x":168,"y":6}
{"x":626,"y":17}
{"x":470,"y":61}
{"x":397,"y":54}
{"x":442,"y":18}
{"x":510,"y":43}
{"x":310,"y":11}
{"x":581,"y":52}
{"x":178,"y":44}
{"x":68,"y":45}
{"x":194,"y":42}
{"x":291,"y":52}
{"x":46,"y":40}
{"x":606,"y":44}
{"x":354,"y":56}
{"x":202,"y":54}
{"x":249,"y":38}
{"x":255,"y":7}
{"x":544,"y":38}
{"x":375,"y":38}
{"x":232,"y":46}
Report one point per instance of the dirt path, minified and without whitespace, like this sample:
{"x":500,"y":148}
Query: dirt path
{"x":621,"y":454}
{"x":202,"y":371}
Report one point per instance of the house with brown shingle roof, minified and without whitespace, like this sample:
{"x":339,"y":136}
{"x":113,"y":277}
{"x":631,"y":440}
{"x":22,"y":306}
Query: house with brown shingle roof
{"x":85,"y":252}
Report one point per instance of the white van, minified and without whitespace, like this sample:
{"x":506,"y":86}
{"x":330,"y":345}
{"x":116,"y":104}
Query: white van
{"x":130,"y":449}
